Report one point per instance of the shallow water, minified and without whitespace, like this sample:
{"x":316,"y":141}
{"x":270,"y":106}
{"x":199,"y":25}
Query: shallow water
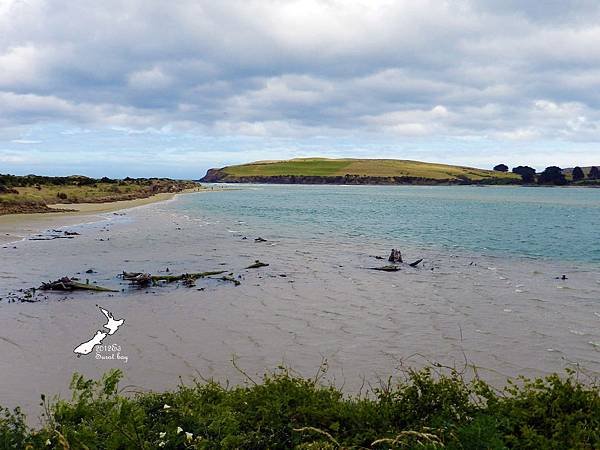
{"x":554,"y":223}
{"x":500,"y":308}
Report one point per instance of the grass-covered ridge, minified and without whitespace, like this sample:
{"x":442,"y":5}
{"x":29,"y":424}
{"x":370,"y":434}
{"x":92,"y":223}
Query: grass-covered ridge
{"x":428,"y":410}
{"x":372,"y":169}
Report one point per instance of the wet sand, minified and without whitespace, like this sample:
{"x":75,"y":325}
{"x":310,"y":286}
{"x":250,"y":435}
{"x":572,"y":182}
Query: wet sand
{"x":14,"y":227}
{"x":317,"y":299}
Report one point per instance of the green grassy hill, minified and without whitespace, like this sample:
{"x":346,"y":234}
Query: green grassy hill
{"x":356,"y":171}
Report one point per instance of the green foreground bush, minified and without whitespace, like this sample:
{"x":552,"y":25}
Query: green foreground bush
{"x":428,"y":410}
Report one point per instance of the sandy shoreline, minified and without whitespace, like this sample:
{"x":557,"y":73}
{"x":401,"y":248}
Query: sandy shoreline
{"x":14,"y":227}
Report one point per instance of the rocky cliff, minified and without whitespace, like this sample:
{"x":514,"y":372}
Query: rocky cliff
{"x":219,"y":176}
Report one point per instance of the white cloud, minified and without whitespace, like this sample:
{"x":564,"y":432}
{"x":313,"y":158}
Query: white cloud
{"x":349,"y":70}
{"x":25,"y":141}
{"x":520,"y":134}
{"x":153,"y":78}
{"x":413,"y":122}
{"x":19,"y":65}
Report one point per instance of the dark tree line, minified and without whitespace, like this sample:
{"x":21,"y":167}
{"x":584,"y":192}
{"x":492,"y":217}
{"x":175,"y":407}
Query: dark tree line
{"x":10,"y":181}
{"x":34,"y":180}
{"x":552,"y":175}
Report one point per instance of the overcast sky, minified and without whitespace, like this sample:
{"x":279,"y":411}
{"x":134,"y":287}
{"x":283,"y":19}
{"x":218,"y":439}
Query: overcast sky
{"x":171,"y":88}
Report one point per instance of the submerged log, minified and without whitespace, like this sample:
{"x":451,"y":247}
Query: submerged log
{"x":256,"y":265}
{"x":144,"y":279}
{"x":389,"y":268}
{"x":67,"y":284}
{"x":231,"y":279}
{"x":129,"y":275}
{"x":416,"y":263}
{"x":185,"y":276}
{"x":139,"y":278}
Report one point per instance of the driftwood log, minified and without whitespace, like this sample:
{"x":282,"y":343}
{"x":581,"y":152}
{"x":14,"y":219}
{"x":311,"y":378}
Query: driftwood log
{"x":231,"y":279}
{"x":394,"y":267}
{"x":256,"y":265}
{"x":389,"y":268}
{"x":68,"y":284}
{"x":49,"y":238}
{"x":138,"y":278}
{"x":145,"y":279}
{"x":57,"y":235}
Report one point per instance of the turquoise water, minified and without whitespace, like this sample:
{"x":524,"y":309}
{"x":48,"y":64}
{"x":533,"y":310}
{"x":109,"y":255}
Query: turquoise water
{"x":555,"y":223}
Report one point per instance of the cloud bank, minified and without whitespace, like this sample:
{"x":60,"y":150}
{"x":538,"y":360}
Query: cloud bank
{"x":181,"y":86}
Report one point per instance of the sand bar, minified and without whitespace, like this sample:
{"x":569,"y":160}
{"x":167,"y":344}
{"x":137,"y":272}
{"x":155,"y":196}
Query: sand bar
{"x":14,"y":227}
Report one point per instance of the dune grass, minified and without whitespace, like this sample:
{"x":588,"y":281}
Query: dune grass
{"x":427,"y":410}
{"x":364,"y":167}
{"x":99,"y":192}
{"x":34,"y":194}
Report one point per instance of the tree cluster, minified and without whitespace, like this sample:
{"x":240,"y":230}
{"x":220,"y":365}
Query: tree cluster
{"x":527,"y":173}
{"x":551,"y":175}
{"x":9,"y":181}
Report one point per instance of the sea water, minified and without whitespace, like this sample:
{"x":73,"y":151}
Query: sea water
{"x":554,"y":223}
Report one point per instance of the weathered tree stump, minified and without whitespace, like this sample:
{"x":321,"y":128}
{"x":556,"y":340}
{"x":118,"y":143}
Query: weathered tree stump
{"x":395,"y":256}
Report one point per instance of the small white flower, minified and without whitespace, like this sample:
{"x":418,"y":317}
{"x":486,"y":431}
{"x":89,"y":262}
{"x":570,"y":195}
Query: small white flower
{"x":48,"y":442}
{"x":189,"y":436}
{"x":162,"y":434}
{"x":161,"y":444}
{"x":166,"y":406}
{"x":179,"y":430}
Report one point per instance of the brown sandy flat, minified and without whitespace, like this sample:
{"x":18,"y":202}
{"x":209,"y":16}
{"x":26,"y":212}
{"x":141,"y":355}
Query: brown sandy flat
{"x":17,"y":226}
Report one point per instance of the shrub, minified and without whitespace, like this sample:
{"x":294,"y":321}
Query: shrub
{"x":427,"y":410}
{"x":7,"y":190}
